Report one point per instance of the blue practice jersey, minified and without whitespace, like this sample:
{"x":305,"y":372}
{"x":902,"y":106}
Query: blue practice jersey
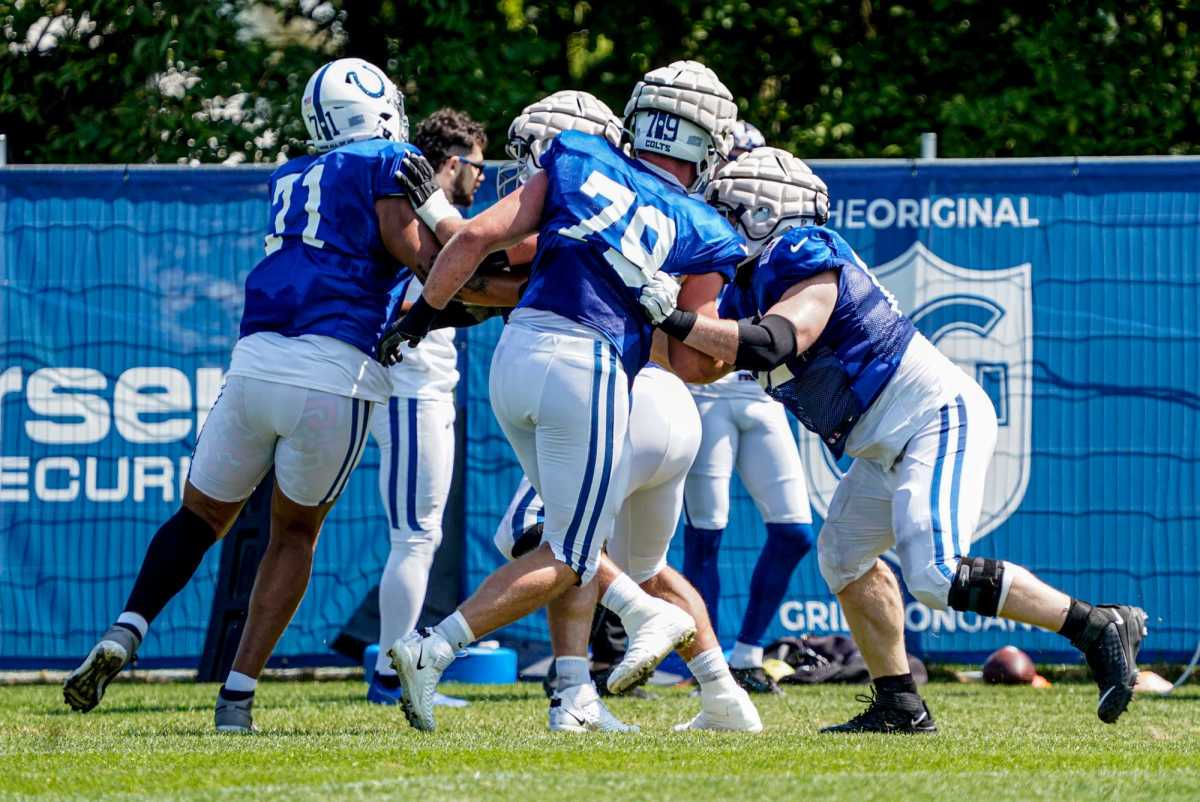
{"x":326,"y":270}
{"x":831,"y":385}
{"x":608,"y":223}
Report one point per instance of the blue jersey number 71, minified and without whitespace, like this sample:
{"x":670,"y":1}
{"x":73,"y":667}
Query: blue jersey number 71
{"x":283,"y":201}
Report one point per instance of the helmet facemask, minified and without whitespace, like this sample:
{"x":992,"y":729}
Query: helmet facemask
{"x":533,"y":130}
{"x":766,"y":192}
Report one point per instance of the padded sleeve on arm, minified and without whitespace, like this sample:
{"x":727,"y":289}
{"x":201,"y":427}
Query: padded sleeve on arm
{"x":765,"y":345}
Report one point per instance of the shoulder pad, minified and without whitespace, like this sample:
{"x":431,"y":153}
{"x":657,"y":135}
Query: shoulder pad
{"x":814,"y":247}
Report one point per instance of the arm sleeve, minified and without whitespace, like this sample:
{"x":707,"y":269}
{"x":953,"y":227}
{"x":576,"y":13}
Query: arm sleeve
{"x":764,"y":345}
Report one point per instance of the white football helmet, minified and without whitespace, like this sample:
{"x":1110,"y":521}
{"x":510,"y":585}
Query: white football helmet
{"x":350,"y":99}
{"x":746,"y":138}
{"x":531,"y":132}
{"x":767,"y":191}
{"x":685,"y":112}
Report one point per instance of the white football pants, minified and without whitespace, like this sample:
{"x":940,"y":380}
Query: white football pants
{"x":313,"y":438}
{"x":753,"y":435}
{"x":416,"y":464}
{"x":926,"y":505}
{"x":562,"y":401}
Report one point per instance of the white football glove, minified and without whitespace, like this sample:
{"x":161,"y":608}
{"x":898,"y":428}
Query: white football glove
{"x":659,"y":297}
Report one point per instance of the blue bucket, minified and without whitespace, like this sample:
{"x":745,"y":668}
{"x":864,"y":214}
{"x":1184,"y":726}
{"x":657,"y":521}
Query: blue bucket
{"x":475,"y":664}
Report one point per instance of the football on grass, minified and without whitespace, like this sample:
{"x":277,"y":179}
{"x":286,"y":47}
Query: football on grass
{"x":1009,"y":666}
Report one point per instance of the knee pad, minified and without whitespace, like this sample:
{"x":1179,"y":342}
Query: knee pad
{"x":528,"y":540}
{"x":978,"y":586}
{"x":408,"y":539}
{"x":840,"y":565}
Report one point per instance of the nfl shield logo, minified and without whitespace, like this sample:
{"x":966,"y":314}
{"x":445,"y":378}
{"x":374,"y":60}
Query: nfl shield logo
{"x":983,"y":320}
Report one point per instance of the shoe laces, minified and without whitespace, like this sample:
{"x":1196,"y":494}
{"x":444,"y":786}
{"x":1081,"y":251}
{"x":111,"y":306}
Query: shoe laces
{"x":874,"y":708}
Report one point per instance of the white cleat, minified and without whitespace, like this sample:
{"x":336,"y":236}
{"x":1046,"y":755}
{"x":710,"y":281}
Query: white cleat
{"x":419,"y":658}
{"x":666,"y":629}
{"x":726,"y":711}
{"x":579,"y":709}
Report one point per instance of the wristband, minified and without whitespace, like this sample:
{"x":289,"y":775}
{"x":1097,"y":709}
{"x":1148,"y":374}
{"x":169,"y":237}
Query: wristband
{"x":435,"y":210}
{"x":678,"y":324}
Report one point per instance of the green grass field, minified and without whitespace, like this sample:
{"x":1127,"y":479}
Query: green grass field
{"x":321,"y":741}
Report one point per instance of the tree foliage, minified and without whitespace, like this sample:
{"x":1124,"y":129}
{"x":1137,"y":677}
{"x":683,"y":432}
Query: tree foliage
{"x":128,"y":81}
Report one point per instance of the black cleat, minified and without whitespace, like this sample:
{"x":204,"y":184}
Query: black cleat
{"x":897,"y":713}
{"x":755,"y":680}
{"x":1110,"y":642}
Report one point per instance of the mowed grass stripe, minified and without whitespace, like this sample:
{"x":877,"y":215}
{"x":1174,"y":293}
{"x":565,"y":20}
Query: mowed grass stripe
{"x":321,"y":741}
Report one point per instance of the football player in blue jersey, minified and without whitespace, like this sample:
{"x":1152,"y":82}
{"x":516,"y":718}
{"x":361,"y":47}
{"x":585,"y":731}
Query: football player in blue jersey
{"x":829,"y":342}
{"x":606,"y":222}
{"x":303,"y":379}
{"x":743,"y":428}
{"x":661,"y":442}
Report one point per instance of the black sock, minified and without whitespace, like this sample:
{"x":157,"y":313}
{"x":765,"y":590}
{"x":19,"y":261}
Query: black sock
{"x":235,"y":696}
{"x":173,"y":556}
{"x":900,"y":683}
{"x":1077,"y":619}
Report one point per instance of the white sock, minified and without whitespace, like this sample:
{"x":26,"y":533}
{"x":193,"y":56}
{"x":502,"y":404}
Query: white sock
{"x":571,"y":671}
{"x":1005,"y":586}
{"x":746,"y":656}
{"x":402,"y":589}
{"x":630,"y":603}
{"x":456,"y":630}
{"x":136,"y":621}
{"x":711,"y":671}
{"x":237,"y":681}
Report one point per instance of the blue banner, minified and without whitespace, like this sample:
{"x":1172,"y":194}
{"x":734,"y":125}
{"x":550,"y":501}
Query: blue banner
{"x":121,"y":292}
{"x":1070,"y":290}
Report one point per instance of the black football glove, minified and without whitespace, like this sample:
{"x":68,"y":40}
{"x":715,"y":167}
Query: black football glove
{"x":458,"y":315}
{"x":410,"y":329}
{"x":417,"y":177}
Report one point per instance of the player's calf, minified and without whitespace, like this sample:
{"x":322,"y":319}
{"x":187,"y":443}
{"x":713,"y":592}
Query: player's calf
{"x":1109,"y":636}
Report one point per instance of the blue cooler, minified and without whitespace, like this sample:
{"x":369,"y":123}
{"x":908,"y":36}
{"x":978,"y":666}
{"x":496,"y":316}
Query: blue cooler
{"x":479,"y":665}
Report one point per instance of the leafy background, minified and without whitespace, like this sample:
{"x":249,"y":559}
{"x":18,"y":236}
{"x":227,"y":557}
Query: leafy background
{"x":220,"y":81}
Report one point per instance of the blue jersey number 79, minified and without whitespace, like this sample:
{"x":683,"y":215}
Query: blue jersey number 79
{"x":632,"y":262}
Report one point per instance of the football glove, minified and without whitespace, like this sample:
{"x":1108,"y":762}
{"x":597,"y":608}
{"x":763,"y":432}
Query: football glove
{"x":416,"y":175}
{"x":659,"y":296}
{"x":410,"y":329}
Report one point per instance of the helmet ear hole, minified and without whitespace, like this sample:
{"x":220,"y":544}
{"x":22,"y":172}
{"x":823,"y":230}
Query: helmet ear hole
{"x":779,"y":192}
